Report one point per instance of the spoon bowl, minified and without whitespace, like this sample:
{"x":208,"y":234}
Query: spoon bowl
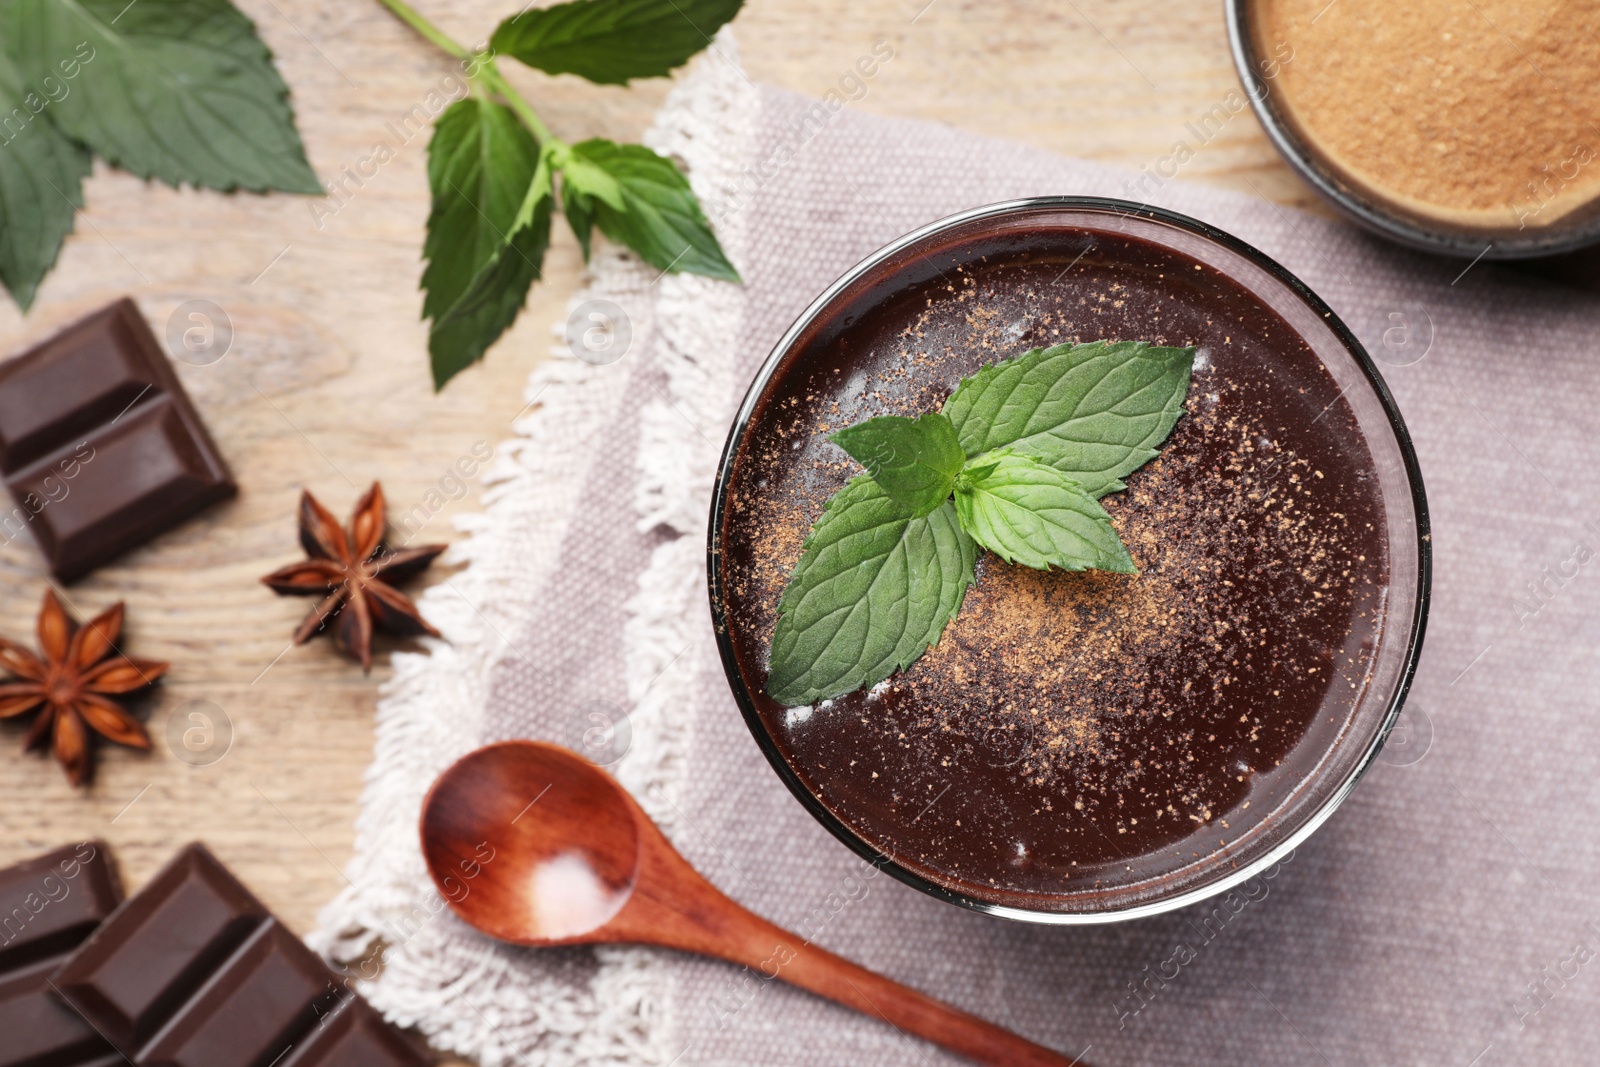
{"x":563,"y":835}
{"x":534,"y":845}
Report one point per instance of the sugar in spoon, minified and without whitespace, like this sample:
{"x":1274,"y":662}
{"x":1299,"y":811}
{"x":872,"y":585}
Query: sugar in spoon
{"x":534,"y":845}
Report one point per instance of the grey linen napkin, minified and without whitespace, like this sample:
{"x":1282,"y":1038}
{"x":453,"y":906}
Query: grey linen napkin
{"x":1446,"y":915}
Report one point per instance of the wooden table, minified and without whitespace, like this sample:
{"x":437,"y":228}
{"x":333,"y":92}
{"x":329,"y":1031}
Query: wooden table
{"x":326,"y":385}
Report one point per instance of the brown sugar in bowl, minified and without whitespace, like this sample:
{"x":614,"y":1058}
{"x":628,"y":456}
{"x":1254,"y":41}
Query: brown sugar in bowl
{"x":1463,"y":129}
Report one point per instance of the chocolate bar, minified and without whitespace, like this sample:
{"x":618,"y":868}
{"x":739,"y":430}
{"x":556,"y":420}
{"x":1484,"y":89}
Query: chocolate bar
{"x":193,"y":971}
{"x":48,"y":905}
{"x":99,"y":444}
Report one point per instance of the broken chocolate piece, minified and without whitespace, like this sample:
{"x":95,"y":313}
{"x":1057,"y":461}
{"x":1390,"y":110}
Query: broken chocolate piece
{"x":99,"y":444}
{"x":48,"y":905}
{"x":193,"y":971}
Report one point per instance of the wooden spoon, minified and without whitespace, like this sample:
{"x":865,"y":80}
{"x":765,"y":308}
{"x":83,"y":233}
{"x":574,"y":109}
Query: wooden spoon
{"x":532,"y":844}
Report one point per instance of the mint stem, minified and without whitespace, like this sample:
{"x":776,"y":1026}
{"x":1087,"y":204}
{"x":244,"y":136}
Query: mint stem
{"x":413,"y":18}
{"x":495,"y":80}
{"x":486,"y":73}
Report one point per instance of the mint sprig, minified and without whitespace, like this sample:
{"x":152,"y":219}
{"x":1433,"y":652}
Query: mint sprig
{"x":1025,"y":447}
{"x":184,"y":91}
{"x":179,"y":90}
{"x":635,"y":196}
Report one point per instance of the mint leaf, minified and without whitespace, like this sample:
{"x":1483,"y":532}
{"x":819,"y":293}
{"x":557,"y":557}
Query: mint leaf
{"x":914,"y":460}
{"x":481,"y":163}
{"x":611,"y":41}
{"x":180,"y":90}
{"x":588,"y":176}
{"x":1096,"y":412}
{"x":654,"y":212}
{"x":873,"y":590}
{"x":1027,"y":512}
{"x":579,"y":210}
{"x":491,"y":301}
{"x":581,"y":183}
{"x":41,"y":186}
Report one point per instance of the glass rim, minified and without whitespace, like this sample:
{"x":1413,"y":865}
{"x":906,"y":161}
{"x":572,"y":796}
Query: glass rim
{"x":837,"y":826}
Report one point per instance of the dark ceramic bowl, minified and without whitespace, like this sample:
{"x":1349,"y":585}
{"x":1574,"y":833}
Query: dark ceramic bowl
{"x":1249,"y":318}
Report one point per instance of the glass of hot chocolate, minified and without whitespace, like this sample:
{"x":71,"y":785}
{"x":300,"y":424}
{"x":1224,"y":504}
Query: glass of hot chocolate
{"x":1087,"y":746}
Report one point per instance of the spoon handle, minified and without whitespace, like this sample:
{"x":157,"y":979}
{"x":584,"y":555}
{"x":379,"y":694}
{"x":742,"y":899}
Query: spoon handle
{"x":820,"y":971}
{"x":687,"y":913}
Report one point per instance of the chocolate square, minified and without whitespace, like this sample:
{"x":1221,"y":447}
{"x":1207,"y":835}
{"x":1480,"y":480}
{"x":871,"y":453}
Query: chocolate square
{"x":100,"y":446}
{"x":135,"y":973}
{"x":48,"y":905}
{"x":193,"y":971}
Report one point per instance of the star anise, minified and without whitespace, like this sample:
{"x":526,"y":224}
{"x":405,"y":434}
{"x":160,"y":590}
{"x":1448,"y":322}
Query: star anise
{"x":72,"y":685}
{"x":355,"y":575}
